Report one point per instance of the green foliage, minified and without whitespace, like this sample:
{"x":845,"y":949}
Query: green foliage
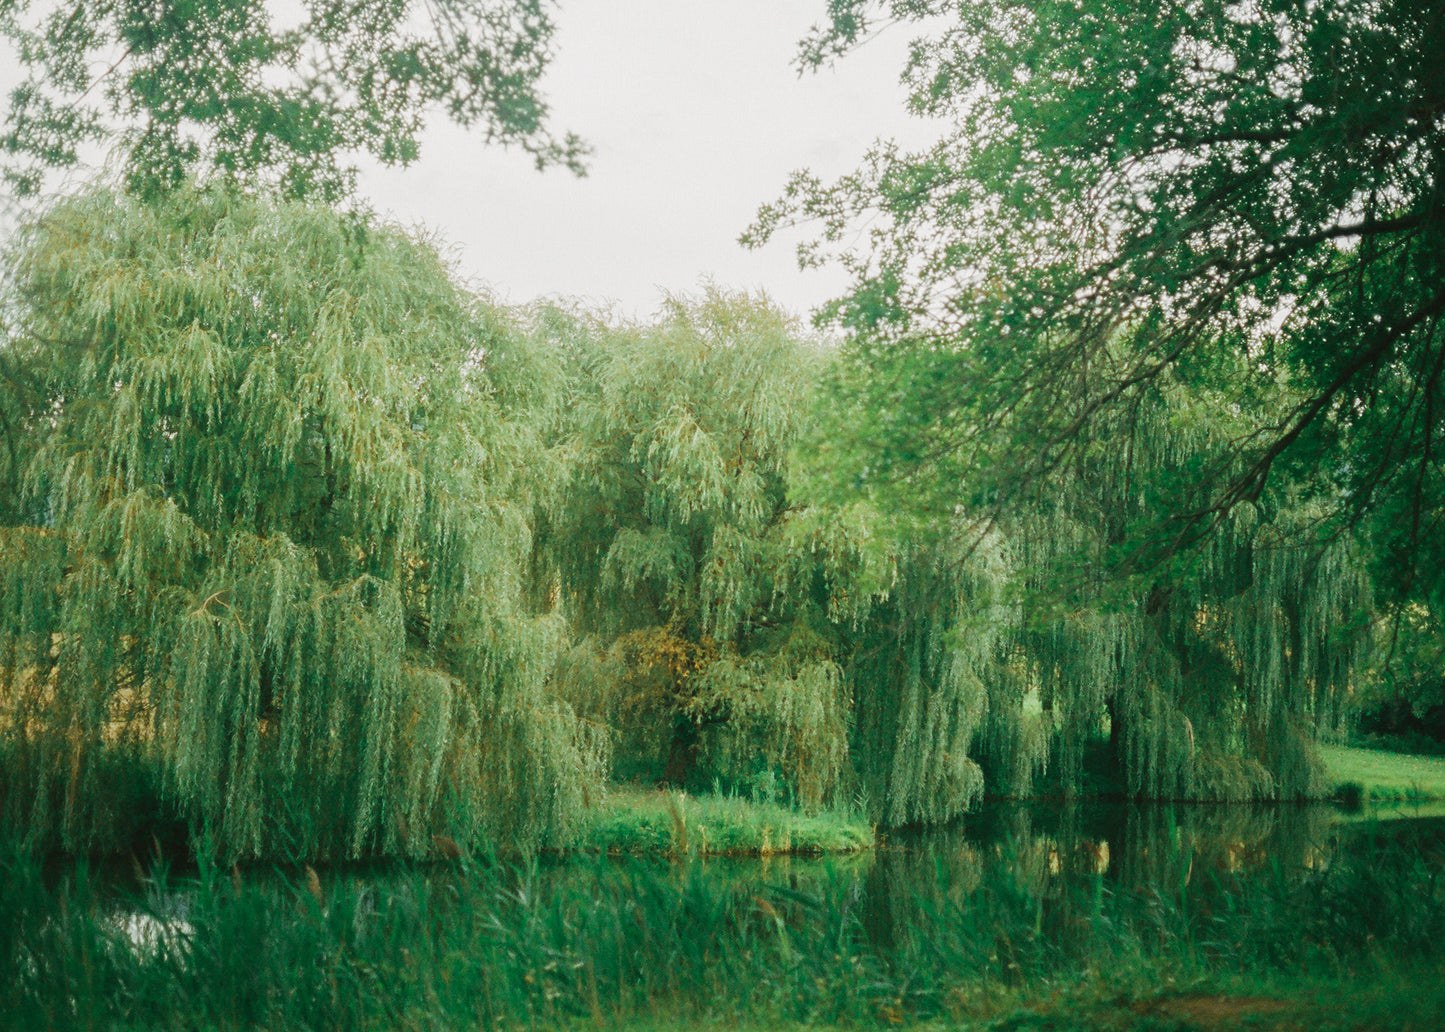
{"x":1058,"y":643}
{"x":1219,"y":663}
{"x":234,"y":87}
{"x":1227,"y":181}
{"x":669,"y":547}
{"x":663,"y":823}
{"x":1402,"y":703}
{"x":739,"y":622}
{"x":1161,"y":307}
{"x":1026,"y":932}
{"x":270,"y":530}
{"x":923,"y":666}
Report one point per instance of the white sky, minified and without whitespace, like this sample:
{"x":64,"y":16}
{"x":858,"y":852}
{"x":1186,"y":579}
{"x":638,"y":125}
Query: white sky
{"x":696,"y":116}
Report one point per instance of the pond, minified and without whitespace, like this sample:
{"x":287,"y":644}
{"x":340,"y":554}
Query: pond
{"x":1015,"y":899}
{"x":1050,"y":860}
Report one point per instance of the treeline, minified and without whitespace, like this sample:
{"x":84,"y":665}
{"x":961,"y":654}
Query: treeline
{"x":305,"y":543}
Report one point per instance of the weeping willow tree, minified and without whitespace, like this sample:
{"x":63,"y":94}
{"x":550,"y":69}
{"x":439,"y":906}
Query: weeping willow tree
{"x":1215,"y":666}
{"x":1067,"y":642}
{"x":703,"y":639}
{"x":746,"y":604}
{"x":268,"y":534}
{"x":933,"y":692}
{"x":1250,"y":194}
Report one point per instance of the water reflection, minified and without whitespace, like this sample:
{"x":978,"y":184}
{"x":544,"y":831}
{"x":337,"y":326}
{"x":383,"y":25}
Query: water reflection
{"x":1050,"y":870}
{"x":1129,"y":847}
{"x":1031,"y":897}
{"x":1044,"y":872}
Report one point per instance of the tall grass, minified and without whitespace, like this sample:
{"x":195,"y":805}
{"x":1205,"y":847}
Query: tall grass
{"x":964,"y":934}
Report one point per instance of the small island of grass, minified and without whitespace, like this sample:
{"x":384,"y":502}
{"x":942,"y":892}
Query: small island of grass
{"x":670,"y":823}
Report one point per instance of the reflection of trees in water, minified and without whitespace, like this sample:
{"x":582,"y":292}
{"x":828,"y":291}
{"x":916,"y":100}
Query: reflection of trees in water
{"x":1159,"y":847}
{"x":1012,"y":893}
{"x":1143,"y":847}
{"x":1020,"y":883}
{"x":1011,"y":898}
{"x":998,"y":894}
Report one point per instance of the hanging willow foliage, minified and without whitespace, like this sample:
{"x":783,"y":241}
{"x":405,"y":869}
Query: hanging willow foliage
{"x":669,"y":551}
{"x":270,"y":534}
{"x":733,"y":617}
{"x":1215,"y":667}
{"x":347,"y":558}
{"x":1061,"y":636}
{"x":932,"y":690}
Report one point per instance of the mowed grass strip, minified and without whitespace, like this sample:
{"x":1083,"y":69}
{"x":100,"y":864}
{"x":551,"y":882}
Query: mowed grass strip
{"x":650,"y":821}
{"x":1386,"y":777}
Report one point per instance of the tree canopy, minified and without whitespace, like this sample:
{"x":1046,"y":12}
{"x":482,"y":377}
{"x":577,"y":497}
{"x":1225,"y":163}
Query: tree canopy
{"x":266,"y":524}
{"x":347,"y":557}
{"x":1247,"y":193}
{"x":1160,"y":313}
{"x":290,"y":95}
{"x":1135,"y":413}
{"x":671,"y":547}
{"x":736,"y":623}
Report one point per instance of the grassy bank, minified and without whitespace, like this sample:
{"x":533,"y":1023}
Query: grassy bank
{"x":1384,"y":778}
{"x":664,"y":823}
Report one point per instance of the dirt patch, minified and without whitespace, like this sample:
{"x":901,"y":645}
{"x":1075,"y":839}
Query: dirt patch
{"x":1215,"y":1013}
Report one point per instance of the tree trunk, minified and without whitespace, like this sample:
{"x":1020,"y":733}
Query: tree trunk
{"x":682,"y":752}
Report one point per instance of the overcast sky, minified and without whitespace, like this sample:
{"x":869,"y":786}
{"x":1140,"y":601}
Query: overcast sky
{"x":696,"y":116}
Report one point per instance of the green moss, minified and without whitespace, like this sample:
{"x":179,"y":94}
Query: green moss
{"x":633,"y":820}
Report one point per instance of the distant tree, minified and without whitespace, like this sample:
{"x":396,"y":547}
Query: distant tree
{"x":1403,"y":700}
{"x":265,"y":526}
{"x":234,"y":87}
{"x":669,"y":545}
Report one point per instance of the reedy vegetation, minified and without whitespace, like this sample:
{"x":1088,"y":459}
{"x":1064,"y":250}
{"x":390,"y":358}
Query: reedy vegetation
{"x":1026,"y":934}
{"x":347,"y":557}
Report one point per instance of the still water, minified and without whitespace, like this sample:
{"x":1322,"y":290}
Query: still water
{"x":1037,"y":853}
{"x":1028,"y":897}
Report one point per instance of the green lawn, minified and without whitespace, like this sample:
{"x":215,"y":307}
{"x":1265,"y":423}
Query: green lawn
{"x":1386,"y":777}
{"x":649,"y":821}
{"x":636,"y":820}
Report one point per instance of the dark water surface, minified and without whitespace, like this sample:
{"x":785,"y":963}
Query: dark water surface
{"x":1032,"y":852}
{"x":1038,"y":848}
{"x":1217,"y":870}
